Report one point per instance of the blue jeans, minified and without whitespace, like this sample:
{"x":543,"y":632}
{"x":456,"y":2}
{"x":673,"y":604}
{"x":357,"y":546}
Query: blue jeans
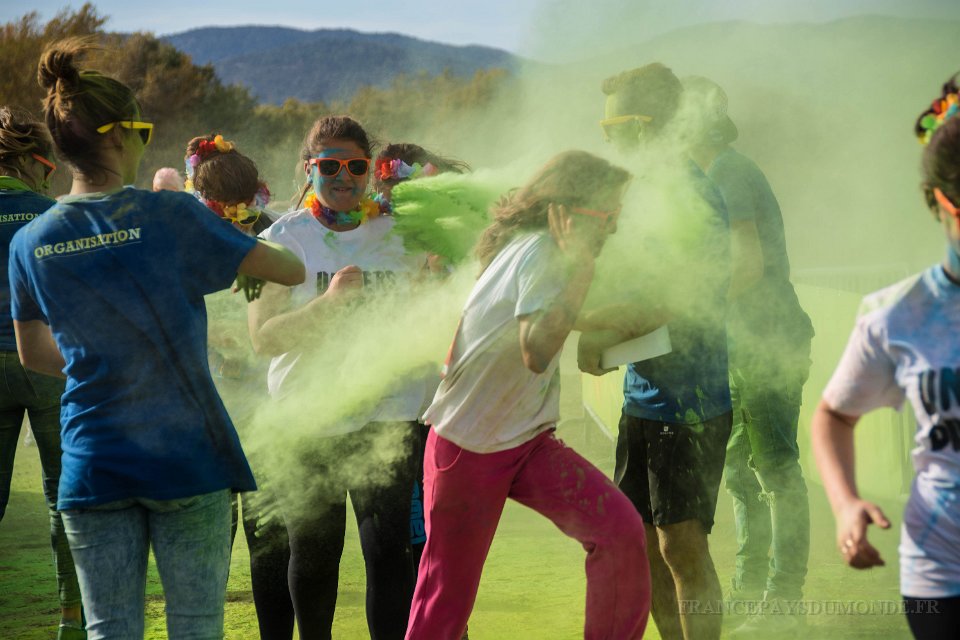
{"x":764,"y":478}
{"x":191,"y":544}
{"x":38,"y":396}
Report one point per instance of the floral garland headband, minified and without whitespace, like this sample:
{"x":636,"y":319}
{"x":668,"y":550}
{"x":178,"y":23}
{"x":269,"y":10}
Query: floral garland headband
{"x":397,"y":169}
{"x":942,"y":110}
{"x":242,"y":214}
{"x":205,"y":149}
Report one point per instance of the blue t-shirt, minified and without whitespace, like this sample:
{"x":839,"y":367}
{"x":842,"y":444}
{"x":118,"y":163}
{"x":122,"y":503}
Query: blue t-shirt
{"x":769,"y":308}
{"x":120,"y":279}
{"x":690,"y":384}
{"x":17,"y":208}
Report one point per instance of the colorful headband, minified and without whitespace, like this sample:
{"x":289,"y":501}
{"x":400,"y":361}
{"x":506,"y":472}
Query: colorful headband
{"x":397,"y":169}
{"x":943,"y":109}
{"x":205,"y":149}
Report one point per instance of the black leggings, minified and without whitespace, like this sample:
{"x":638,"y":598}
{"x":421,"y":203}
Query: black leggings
{"x":269,"y":558}
{"x":316,"y":538}
{"x":933,"y":619}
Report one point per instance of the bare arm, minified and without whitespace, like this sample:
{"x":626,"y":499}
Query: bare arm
{"x":276,"y":329}
{"x":832,"y":435}
{"x":37,"y":348}
{"x":542,"y":334}
{"x":273,"y":263}
{"x":746,"y":257}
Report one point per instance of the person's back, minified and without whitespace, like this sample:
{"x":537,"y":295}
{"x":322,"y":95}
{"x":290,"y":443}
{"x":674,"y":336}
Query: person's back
{"x":107,"y":291}
{"x":124,"y":296}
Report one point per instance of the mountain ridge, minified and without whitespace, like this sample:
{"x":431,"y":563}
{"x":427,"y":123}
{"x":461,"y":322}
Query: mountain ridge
{"x":277,"y":63}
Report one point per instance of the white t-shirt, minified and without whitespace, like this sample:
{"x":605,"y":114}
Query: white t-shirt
{"x":489,"y":400}
{"x":906,"y":344}
{"x":384,"y":262}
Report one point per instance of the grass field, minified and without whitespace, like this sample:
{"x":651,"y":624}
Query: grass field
{"x":533,"y":586}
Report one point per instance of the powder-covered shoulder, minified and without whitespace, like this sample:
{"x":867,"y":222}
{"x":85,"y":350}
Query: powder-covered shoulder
{"x":902,"y":300}
{"x":289,"y":222}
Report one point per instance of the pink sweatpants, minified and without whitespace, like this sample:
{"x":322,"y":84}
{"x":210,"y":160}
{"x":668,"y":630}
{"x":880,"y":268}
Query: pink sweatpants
{"x":464,"y":495}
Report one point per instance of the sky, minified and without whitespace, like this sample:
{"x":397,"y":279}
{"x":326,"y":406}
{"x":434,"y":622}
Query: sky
{"x":505,"y":24}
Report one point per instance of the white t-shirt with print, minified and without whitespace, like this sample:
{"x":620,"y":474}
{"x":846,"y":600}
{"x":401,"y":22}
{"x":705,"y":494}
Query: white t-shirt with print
{"x":488,"y":399}
{"x":906,"y":344}
{"x":384,"y":262}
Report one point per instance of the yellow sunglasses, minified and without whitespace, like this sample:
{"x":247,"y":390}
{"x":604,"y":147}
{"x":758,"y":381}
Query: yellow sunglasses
{"x":145,"y":129}
{"x":608,"y":124}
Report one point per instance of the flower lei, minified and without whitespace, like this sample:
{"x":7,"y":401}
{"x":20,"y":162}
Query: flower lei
{"x":242,"y":214}
{"x":368,"y":208}
{"x":205,"y":149}
{"x":942,"y":110}
{"x":397,"y":169}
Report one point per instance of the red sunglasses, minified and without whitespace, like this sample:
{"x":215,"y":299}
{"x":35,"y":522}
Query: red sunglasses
{"x":49,"y":165}
{"x":606,"y":216}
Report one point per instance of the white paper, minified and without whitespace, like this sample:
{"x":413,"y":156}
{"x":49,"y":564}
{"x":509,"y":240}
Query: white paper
{"x":656,"y":343}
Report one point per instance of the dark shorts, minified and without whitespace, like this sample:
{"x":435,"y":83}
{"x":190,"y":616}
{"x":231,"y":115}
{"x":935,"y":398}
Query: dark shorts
{"x":671,"y":472}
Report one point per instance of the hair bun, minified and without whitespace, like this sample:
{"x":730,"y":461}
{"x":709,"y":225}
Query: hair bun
{"x":57,"y":71}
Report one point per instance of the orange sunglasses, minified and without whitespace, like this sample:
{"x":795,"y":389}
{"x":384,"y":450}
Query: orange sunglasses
{"x":49,"y":165}
{"x":944,"y":201}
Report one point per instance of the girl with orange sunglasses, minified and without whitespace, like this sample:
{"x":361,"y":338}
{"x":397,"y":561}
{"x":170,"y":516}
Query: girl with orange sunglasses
{"x":25,"y":170}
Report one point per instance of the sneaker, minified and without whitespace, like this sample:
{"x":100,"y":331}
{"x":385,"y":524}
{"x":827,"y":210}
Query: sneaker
{"x":775,"y":619}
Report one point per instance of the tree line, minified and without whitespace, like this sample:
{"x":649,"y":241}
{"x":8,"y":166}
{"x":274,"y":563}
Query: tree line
{"x":183,"y":99}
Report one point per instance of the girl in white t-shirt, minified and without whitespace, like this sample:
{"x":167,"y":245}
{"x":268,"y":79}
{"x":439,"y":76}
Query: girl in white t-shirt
{"x":494,"y":414}
{"x":906,"y":345}
{"x":343,"y":236}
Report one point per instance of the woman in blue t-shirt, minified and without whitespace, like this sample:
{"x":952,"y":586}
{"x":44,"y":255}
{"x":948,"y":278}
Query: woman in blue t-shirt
{"x":107,"y":290}
{"x":25,"y":170}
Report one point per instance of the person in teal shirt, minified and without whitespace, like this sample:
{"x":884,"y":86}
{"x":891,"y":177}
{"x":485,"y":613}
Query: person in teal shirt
{"x":25,"y":170}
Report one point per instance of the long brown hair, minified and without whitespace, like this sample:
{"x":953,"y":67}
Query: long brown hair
{"x":78,"y":102}
{"x":572,"y":178}
{"x":21,"y":135}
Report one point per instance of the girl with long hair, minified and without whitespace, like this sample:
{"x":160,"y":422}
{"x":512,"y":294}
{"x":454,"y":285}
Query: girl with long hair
{"x":494,"y":415}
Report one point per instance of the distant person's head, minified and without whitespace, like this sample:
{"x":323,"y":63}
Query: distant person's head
{"x":939,"y":128}
{"x":705,"y":105}
{"x":589,"y":188}
{"x":402,"y":161}
{"x":26,"y":152}
{"x":167,"y":179}
{"x":94,"y":120}
{"x":336,"y":157}
{"x":640,"y":103}
{"x":226,"y":181}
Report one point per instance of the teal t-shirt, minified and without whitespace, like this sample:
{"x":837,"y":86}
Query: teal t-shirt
{"x":120,"y":279}
{"x":770,"y":308}
{"x":18,"y":206}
